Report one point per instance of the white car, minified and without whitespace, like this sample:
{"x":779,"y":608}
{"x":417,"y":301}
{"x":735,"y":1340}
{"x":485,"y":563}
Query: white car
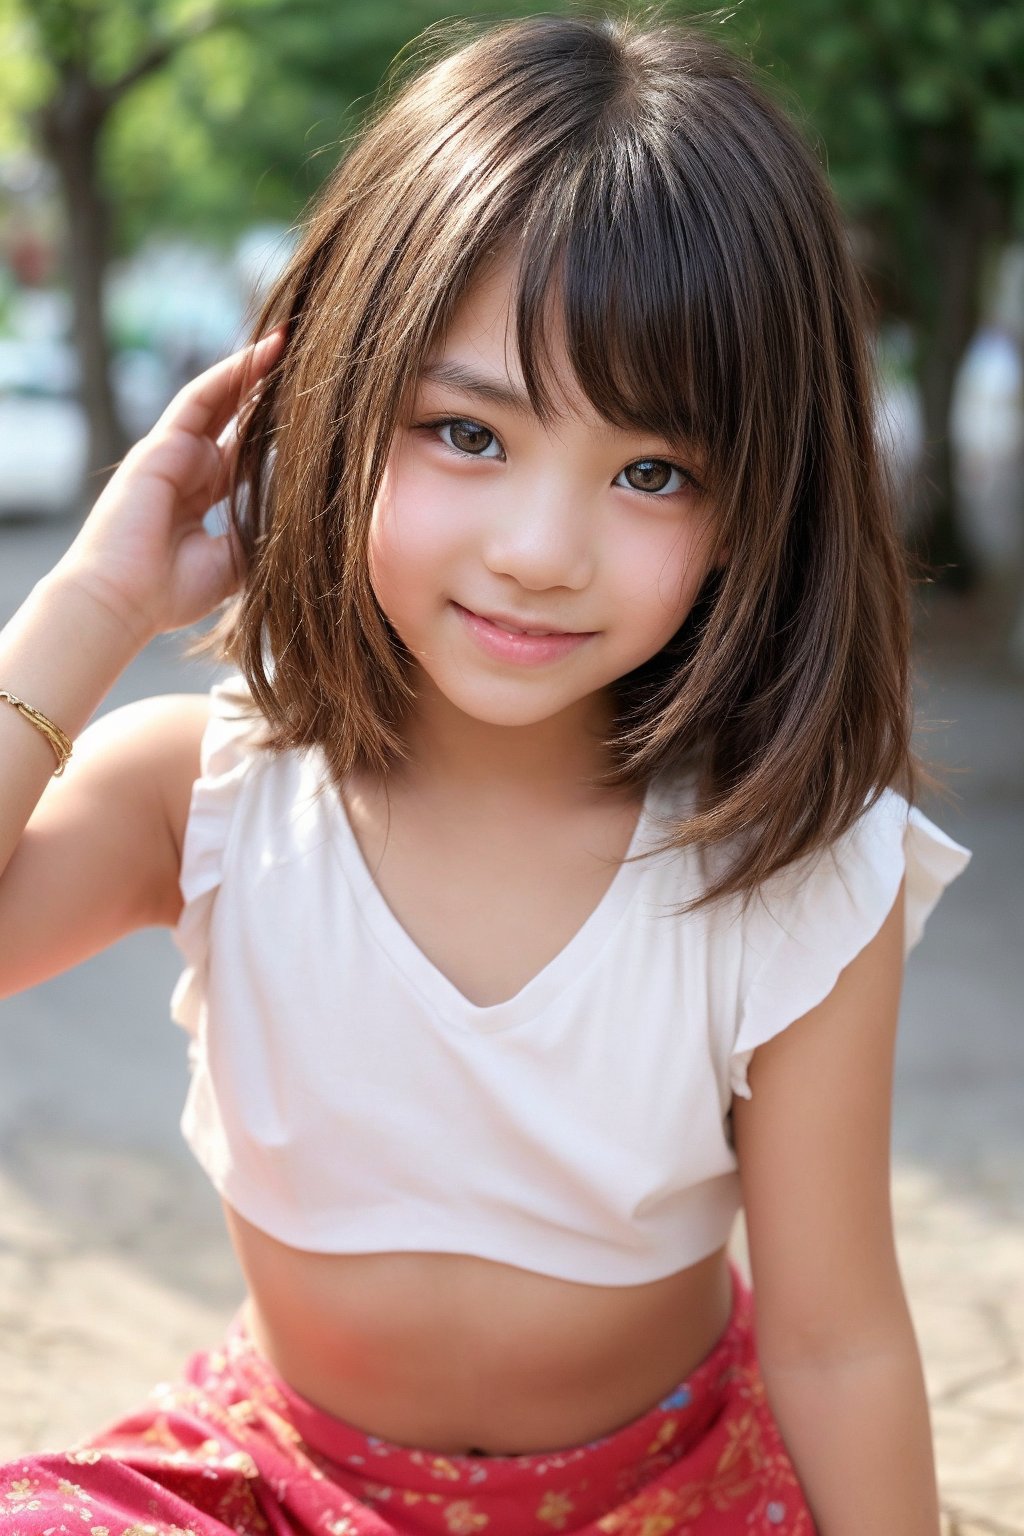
{"x":43,"y":430}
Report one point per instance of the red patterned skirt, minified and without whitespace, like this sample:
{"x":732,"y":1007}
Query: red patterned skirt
{"x":232,"y":1449}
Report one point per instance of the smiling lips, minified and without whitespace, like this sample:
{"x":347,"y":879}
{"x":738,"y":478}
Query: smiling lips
{"x":505,"y":640}
{"x":513,"y":628}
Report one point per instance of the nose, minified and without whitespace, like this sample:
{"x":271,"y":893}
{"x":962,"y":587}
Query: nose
{"x":543,"y":536}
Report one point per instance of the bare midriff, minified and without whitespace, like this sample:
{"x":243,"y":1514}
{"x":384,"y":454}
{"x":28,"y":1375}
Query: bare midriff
{"x":461,"y":1355}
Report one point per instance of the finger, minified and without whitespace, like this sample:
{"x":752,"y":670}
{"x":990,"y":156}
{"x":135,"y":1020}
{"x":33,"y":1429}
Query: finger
{"x":250,"y":365}
{"x":206,"y":405}
{"x":224,"y":478}
{"x":210,"y":567}
{"x":232,"y":562}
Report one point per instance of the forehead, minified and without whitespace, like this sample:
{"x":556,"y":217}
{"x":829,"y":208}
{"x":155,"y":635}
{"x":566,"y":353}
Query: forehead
{"x":485,"y":315}
{"x":481,"y":347}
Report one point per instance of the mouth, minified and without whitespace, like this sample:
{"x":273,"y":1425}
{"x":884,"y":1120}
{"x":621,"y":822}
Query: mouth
{"x":509,"y":641}
{"x":514,"y":626}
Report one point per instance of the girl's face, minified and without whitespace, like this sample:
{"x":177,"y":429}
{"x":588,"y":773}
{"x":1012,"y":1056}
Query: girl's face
{"x":491,"y":523}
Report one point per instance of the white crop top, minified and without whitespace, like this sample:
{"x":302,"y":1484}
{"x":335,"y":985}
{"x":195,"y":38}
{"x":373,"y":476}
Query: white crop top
{"x":345,"y":1097}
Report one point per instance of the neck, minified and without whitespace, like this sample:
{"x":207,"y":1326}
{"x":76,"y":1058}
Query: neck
{"x":553,"y":759}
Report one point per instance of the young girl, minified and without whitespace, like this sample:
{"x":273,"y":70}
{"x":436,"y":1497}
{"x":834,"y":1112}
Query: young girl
{"x":545,"y":872}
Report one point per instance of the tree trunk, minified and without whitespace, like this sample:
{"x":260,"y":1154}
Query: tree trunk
{"x":941,"y":349}
{"x":958,"y":222}
{"x":70,"y":126}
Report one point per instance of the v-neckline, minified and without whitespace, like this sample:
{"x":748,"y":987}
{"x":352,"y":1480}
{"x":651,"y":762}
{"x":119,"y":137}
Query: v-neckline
{"x":444,"y":997}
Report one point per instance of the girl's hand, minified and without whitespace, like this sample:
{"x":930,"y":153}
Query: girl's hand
{"x":143,"y":552}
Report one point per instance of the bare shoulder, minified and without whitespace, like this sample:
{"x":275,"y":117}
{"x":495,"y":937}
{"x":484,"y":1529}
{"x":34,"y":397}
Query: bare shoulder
{"x":150,"y":751}
{"x":101,"y":855}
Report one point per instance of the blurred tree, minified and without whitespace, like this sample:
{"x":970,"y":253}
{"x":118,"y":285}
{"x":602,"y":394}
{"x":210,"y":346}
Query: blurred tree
{"x":187,"y":114}
{"x":921,"y":107}
{"x":246,"y":124}
{"x":79,"y":59}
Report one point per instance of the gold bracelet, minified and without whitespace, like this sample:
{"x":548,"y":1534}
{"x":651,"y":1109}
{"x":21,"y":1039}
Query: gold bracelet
{"x":60,"y":743}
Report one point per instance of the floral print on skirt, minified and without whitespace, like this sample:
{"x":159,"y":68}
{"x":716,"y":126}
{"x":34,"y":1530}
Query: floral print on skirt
{"x":232,"y":1448}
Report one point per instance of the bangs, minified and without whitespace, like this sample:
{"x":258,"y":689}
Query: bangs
{"x":626,"y":258}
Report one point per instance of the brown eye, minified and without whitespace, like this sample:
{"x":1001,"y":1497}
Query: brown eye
{"x":469,"y":437}
{"x":649,"y":475}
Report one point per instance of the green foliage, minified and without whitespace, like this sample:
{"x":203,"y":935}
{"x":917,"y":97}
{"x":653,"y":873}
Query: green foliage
{"x":245,"y":117}
{"x":25,"y":77}
{"x":215,"y":141}
{"x":246,"y":113}
{"x":900,"y":91}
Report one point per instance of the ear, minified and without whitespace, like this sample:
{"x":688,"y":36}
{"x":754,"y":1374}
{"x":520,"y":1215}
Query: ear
{"x":721,"y":559}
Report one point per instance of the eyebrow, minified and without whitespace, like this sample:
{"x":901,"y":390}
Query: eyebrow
{"x":484,"y":386}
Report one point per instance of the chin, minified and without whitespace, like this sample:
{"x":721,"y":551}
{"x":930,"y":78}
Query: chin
{"x":511,"y":716}
{"x":492,"y":705}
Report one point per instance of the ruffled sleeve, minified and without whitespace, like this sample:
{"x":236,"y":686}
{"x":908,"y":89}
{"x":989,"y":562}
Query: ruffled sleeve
{"x":229,"y":744}
{"x":817,"y":916}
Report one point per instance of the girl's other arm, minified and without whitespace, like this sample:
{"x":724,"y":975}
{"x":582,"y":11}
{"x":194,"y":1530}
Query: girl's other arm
{"x":101,"y":853}
{"x":87,"y":856}
{"x":837,"y":1347}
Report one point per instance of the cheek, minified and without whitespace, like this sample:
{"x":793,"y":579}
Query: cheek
{"x":379,"y":542}
{"x":389,"y":554}
{"x":660,"y":576}
{"x":382,"y":523}
{"x":412,"y":542}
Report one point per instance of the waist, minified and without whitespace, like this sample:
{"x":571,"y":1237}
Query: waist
{"x":240,"y":1373}
{"x":456,"y":1354}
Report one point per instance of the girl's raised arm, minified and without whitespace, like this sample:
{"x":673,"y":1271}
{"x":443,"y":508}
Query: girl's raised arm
{"x":89,"y":855}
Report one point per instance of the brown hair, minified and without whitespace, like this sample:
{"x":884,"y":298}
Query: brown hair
{"x":655,"y":192}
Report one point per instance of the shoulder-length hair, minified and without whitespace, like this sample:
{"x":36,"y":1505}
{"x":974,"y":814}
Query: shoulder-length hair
{"x":649,"y":187}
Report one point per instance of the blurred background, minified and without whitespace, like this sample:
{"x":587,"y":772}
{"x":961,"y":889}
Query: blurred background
{"x":155,"y":159}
